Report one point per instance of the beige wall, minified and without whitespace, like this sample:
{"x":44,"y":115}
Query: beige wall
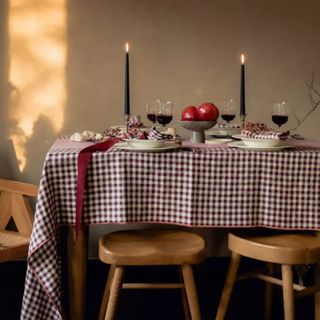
{"x":187,"y":51}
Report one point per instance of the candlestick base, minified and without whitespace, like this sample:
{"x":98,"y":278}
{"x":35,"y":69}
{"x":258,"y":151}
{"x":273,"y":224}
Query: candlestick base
{"x":127,"y":118}
{"x":242,"y":120}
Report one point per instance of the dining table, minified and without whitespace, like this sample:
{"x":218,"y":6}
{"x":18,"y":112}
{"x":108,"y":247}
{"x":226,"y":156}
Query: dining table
{"x":192,"y":185}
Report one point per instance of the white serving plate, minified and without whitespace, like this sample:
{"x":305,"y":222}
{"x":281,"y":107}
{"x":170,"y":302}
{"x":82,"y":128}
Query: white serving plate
{"x":217,"y":141}
{"x":222,"y":132}
{"x":168,"y":146}
{"x":241,"y":145}
{"x":258,"y":143}
{"x":143,"y":144}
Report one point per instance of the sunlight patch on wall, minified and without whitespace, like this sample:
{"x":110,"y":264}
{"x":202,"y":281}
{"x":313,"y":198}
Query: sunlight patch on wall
{"x":37,"y":32}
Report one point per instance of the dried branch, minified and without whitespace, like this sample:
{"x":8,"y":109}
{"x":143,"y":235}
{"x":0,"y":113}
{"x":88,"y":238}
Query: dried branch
{"x":314,"y":97}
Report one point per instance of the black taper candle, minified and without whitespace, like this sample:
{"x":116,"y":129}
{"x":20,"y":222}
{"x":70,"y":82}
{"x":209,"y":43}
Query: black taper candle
{"x":242,"y":88}
{"x":127,"y":84}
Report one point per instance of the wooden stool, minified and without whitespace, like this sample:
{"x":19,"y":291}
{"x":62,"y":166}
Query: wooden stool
{"x":286,"y":249}
{"x":145,"y":248}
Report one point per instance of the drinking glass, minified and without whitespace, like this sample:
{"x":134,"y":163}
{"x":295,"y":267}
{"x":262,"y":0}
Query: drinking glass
{"x":165,"y":111}
{"x":228,"y":111}
{"x":152,"y":109}
{"x":280,"y":112}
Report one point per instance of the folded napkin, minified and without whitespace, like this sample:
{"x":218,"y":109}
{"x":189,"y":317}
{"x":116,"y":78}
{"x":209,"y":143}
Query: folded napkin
{"x":135,"y":122}
{"x":260,"y":130}
{"x":154,"y":134}
{"x":134,"y":130}
{"x":132,"y":133}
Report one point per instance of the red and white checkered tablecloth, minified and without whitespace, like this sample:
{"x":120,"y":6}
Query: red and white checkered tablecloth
{"x":215,"y":186}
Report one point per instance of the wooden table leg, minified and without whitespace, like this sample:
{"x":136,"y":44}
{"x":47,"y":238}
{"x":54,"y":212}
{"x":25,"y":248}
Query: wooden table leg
{"x":77,"y":268}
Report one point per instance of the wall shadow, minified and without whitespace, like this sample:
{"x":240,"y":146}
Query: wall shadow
{"x":9,"y":168}
{"x":43,"y":134}
{"x":36,"y":149}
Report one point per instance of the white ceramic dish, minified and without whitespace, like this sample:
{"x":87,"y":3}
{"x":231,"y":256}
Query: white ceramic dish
{"x":258,"y":143}
{"x":143,"y":144}
{"x":222,"y":132}
{"x":168,"y":146}
{"x":241,"y":145}
{"x":217,"y":141}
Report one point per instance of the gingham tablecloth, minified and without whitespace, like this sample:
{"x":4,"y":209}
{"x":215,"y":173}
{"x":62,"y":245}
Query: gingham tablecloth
{"x":215,"y":186}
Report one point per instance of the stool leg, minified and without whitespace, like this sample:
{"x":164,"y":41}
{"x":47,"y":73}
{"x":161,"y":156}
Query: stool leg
{"x":228,"y":286}
{"x":288,"y":299}
{"x":191,"y":291}
{"x":114,"y":293}
{"x":268,"y":294}
{"x":184,"y":298}
{"x":106,"y":293}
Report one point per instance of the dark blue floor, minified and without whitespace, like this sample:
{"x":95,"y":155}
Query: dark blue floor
{"x":247,"y":298}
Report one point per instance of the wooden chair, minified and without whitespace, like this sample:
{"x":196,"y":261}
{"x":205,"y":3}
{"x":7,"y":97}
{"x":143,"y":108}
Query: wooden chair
{"x":282,"y":248}
{"x":14,"y":204}
{"x":146,"y":248}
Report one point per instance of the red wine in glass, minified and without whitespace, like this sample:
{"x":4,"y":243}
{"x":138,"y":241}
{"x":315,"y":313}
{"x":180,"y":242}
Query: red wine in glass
{"x":228,"y":117}
{"x":152,"y":117}
{"x":280,"y":111}
{"x":279,"y":120}
{"x":228,"y":113}
{"x":164,"y":114}
{"x":164,"y":119}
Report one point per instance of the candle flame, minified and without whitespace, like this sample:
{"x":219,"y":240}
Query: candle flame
{"x":242,"y":58}
{"x":127,"y":47}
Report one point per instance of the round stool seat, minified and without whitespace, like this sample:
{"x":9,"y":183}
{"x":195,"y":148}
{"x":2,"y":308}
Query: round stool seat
{"x":282,"y":248}
{"x":151,"y":247}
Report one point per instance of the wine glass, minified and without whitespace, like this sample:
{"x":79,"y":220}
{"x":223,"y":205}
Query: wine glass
{"x":152,"y":109}
{"x":164,"y":111}
{"x":280,"y":112}
{"x":228,"y":112}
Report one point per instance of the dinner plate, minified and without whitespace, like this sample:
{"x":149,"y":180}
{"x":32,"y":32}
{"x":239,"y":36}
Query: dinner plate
{"x":142,"y":144}
{"x":217,"y":141}
{"x":168,"y":146}
{"x":241,"y":145}
{"x":217,"y":133}
{"x":222,"y":132}
{"x":258,"y":142}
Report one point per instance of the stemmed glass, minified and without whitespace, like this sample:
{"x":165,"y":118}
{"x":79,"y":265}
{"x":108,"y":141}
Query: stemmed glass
{"x":228,"y":111}
{"x":280,"y":112}
{"x":164,"y":112}
{"x":152,"y":109}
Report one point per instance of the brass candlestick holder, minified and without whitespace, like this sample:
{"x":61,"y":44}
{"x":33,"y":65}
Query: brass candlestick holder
{"x":127,"y":118}
{"x":242,"y":120}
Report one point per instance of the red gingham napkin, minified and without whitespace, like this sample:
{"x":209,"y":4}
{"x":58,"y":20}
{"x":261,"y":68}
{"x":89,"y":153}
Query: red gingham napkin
{"x":132,"y":133}
{"x":154,"y":134}
{"x":261,"y":131}
{"x":136,"y":133}
{"x":135,"y":122}
{"x":134,"y":130}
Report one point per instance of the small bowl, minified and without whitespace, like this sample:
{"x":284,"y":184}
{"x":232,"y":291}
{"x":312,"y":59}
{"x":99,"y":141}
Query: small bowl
{"x":142,"y":144}
{"x":261,"y":143}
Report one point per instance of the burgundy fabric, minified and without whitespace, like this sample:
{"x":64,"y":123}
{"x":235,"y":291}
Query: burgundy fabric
{"x":83,"y":162}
